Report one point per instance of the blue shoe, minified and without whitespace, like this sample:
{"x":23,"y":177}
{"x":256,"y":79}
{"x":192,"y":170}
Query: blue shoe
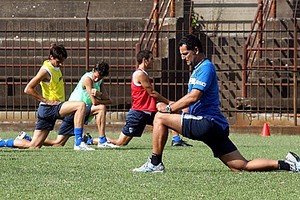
{"x":23,"y":135}
{"x":149,"y":167}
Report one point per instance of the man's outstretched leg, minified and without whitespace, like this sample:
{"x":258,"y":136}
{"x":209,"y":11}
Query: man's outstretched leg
{"x":236,"y":162}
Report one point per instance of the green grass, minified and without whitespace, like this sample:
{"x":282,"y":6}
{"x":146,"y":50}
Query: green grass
{"x":191,"y":173}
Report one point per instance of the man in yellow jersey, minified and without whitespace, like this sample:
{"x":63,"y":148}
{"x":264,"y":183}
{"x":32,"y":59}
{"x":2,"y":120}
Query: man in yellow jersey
{"x":91,"y":90}
{"x":52,"y":103}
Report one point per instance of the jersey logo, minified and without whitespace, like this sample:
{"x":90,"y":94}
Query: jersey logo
{"x":131,"y":130}
{"x":194,"y":81}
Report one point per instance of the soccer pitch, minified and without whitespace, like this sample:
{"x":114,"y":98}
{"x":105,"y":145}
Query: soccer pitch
{"x":191,"y":172}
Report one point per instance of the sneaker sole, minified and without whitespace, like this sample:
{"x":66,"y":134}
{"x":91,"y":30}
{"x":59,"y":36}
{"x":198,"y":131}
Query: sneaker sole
{"x":148,"y":172}
{"x":84,"y":149}
{"x":107,"y":147}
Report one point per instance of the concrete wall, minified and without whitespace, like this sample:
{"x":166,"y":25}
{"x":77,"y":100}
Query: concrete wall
{"x":78,"y":8}
{"x":239,"y":9}
{"x":285,"y":8}
{"x":226,"y":9}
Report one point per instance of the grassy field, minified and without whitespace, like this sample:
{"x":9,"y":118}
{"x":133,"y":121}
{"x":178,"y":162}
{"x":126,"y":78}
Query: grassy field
{"x":191,"y":173}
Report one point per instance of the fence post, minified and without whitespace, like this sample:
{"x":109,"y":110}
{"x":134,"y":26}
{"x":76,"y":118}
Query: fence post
{"x":87,"y":39}
{"x":137,"y":50}
{"x":244,"y":72}
{"x":295,"y":70}
{"x":187,"y":16}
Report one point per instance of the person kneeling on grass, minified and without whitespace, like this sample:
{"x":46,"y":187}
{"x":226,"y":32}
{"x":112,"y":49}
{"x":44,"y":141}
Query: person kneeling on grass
{"x":52,"y":103}
{"x":143,"y":108}
{"x":203,"y":119}
{"x":92,"y":92}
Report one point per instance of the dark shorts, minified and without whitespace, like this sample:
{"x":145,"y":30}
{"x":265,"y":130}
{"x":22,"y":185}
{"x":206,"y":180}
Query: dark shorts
{"x":67,"y":125}
{"x":47,"y":116}
{"x":206,"y":130}
{"x":136,"y":122}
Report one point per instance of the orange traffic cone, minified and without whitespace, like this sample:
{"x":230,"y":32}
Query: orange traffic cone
{"x":265,"y":130}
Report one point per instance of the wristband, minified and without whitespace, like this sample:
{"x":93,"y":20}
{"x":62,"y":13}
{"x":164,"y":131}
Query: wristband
{"x":168,"y":108}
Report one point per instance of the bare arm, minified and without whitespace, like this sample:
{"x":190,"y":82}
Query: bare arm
{"x":183,"y":103}
{"x":159,"y":97}
{"x":102,"y":96}
{"x":97,"y":97}
{"x":42,"y":75}
{"x":145,"y":82}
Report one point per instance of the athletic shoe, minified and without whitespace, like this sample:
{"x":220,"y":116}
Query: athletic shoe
{"x":107,"y":144}
{"x":294,"y":161}
{"x":149,"y":167}
{"x":292,"y":157}
{"x":83,"y":147}
{"x":23,"y":135}
{"x":87,"y":137}
{"x":181,"y":143}
{"x":294,"y":167}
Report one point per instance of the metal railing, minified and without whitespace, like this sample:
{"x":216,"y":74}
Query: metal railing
{"x":270,"y":88}
{"x":270,"y":62}
{"x":25,"y":44}
{"x":154,"y":25}
{"x":253,"y":45}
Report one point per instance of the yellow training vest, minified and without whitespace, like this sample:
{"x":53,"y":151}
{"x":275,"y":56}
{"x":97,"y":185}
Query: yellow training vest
{"x":54,"y":89}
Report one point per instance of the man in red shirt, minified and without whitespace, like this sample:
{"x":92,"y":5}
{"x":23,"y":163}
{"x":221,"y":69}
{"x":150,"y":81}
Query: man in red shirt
{"x":144,"y":99}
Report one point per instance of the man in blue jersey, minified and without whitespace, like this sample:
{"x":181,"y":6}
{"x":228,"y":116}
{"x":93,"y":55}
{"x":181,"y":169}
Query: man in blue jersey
{"x":201,"y":119}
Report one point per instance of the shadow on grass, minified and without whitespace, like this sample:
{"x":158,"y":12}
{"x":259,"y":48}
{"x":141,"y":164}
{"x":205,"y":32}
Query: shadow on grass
{"x":110,"y":149}
{"x":15,"y":150}
{"x":175,"y":170}
{"x":218,"y":170}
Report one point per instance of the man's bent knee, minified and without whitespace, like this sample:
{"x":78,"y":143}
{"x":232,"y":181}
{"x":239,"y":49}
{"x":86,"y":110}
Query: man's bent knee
{"x":81,"y":105}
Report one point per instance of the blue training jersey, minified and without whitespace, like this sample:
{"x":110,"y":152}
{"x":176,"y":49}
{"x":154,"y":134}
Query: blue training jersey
{"x":204,"y":78}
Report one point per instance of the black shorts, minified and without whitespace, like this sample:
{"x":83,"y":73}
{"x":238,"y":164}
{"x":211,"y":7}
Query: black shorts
{"x":136,"y":122}
{"x":47,"y":116}
{"x":206,"y":130}
{"x":67,"y":125}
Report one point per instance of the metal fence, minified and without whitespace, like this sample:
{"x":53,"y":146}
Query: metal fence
{"x":25,"y":43}
{"x":271,"y":86}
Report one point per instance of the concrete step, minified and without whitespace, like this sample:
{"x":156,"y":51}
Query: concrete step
{"x":225,"y":10}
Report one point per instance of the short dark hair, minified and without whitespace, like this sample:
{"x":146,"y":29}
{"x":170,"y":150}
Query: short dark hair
{"x":58,"y":51}
{"x":191,"y":41}
{"x":143,"y":54}
{"x":102,"y":68}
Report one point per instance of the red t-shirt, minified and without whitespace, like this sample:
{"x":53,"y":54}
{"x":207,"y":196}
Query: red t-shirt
{"x":141,"y":100}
